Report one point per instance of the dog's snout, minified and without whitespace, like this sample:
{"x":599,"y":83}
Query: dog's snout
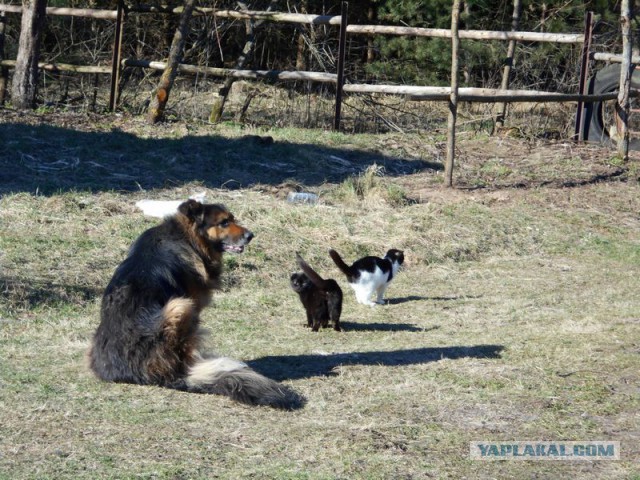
{"x":248,"y":236}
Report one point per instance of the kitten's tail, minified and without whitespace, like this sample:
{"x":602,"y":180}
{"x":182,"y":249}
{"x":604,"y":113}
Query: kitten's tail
{"x":224,"y":376}
{"x":317,"y":280}
{"x":346,"y":269}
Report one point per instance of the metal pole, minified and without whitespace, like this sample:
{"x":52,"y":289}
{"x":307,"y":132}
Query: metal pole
{"x":341,"y":59}
{"x":453,"y":99}
{"x":584,"y":74}
{"x":4,"y":71}
{"x":116,"y":62}
{"x":623,"y":106}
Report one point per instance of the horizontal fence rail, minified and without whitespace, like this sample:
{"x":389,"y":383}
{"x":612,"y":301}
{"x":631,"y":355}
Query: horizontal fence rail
{"x":417,"y":93}
{"x":319,"y":20}
{"x":71,"y":12}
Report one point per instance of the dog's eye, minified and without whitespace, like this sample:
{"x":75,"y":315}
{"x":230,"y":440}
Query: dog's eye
{"x":224,"y":223}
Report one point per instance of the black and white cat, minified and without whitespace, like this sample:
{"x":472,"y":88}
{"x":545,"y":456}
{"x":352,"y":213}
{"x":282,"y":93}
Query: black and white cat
{"x":370,"y":275}
{"x":321,"y":298}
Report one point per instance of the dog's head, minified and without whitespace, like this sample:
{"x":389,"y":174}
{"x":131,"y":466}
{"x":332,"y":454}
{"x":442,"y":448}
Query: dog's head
{"x":216,"y":225}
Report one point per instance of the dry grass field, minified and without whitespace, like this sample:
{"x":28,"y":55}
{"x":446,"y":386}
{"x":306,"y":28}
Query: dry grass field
{"x":516,"y":317}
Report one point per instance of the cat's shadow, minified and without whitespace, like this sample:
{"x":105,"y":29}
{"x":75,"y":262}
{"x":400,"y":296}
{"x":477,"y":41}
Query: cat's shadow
{"x":417,"y":298}
{"x":384,"y":327}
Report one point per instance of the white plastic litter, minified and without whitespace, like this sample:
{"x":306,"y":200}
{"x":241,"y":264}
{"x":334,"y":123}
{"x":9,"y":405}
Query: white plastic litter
{"x":164,"y":208}
{"x":302,"y":197}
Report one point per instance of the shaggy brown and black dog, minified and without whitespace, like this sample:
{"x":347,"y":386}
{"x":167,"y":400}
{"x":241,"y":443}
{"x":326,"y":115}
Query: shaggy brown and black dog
{"x":149,"y":328}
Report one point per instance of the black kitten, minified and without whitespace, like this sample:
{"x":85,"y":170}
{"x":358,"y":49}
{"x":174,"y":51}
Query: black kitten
{"x":322,"y":299}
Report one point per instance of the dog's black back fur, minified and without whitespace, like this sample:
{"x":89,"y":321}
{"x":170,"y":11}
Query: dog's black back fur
{"x":157,"y":269}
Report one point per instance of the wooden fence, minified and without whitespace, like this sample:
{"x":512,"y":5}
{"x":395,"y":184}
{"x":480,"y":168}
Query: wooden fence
{"x":415,"y":92}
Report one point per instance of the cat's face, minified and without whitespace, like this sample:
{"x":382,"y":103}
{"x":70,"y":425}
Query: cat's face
{"x":299,"y":282}
{"x":396,"y":256}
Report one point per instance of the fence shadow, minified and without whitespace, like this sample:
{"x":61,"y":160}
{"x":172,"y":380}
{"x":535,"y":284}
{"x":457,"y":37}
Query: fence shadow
{"x":294,"y":367}
{"x":29,"y":294}
{"x":50,"y":159}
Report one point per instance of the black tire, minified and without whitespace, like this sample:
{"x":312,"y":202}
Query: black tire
{"x":598,"y":116}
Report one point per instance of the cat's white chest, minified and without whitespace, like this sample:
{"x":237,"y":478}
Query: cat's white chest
{"x":370,"y":283}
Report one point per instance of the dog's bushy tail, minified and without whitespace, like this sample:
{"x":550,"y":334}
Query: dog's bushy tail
{"x":234,"y":379}
{"x":337,"y":259}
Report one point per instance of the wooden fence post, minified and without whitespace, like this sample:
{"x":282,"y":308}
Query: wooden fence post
{"x":116,"y":61}
{"x":506,"y":72}
{"x":342,"y":48}
{"x":623,"y":105}
{"x":584,"y":74}
{"x":453,"y":99}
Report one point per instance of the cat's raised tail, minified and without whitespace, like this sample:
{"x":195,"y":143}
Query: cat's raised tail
{"x":337,"y":259}
{"x":315,"y":278}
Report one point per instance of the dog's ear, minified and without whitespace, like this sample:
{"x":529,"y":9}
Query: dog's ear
{"x":193,"y":210}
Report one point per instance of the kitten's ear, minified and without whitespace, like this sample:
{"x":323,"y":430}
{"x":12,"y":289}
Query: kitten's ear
{"x":193,"y":210}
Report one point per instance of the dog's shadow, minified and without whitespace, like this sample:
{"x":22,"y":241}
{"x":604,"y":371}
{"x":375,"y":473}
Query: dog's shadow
{"x":294,"y":367}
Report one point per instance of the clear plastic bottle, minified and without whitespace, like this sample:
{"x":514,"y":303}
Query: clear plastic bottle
{"x":302,"y":197}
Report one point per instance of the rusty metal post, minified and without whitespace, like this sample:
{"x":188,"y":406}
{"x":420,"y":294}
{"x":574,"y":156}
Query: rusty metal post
{"x":623,"y":105}
{"x":341,"y":59}
{"x":4,"y":71}
{"x":116,"y":62}
{"x":584,"y":74}
{"x":453,"y":98}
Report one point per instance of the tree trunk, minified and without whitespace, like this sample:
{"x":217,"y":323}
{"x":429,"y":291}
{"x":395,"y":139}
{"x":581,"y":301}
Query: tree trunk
{"x":247,"y":52}
{"x":301,"y":63}
{"x":25,"y":76}
{"x":370,"y":45}
{"x":506,"y":72}
{"x":161,"y":95}
{"x":300,"y":60}
{"x":223,"y":94}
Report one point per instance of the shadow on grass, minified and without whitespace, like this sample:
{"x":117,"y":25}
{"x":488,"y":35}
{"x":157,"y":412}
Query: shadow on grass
{"x":49,"y":159}
{"x":410,"y":298}
{"x":417,"y":298}
{"x":294,"y":367}
{"x":22,"y":294}
{"x":384,"y":327}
